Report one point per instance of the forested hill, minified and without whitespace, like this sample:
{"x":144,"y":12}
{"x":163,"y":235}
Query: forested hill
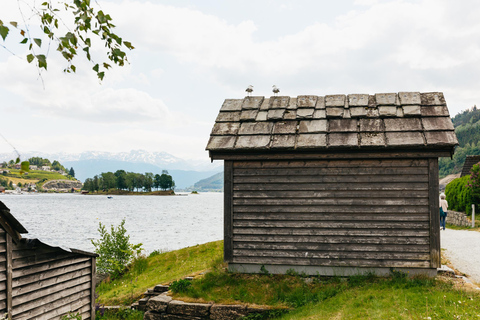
{"x":467,"y":128}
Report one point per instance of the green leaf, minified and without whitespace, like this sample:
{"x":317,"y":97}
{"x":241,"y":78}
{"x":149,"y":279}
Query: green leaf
{"x":38,"y":42}
{"x":17,"y":160}
{"x":128,"y":45}
{"x":106,"y":65}
{"x":95,"y":68}
{"x":25,"y":166}
{"x":3,"y":32}
{"x":42,"y":61}
{"x":24,"y":41}
{"x":74,"y":69}
{"x":13,"y":23}
{"x":30,"y":58}
{"x":101,"y":75}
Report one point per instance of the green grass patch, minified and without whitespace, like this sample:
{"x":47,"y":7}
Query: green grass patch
{"x":358,"y":297}
{"x":122,"y":314}
{"x":159,"y":268}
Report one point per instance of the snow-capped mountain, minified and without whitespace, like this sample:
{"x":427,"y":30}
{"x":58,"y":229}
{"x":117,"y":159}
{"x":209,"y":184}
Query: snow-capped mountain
{"x":159,"y":159}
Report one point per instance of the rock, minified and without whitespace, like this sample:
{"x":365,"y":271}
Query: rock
{"x":189,"y":309}
{"x":160,"y":288}
{"x":227,"y":312}
{"x":158,"y":303}
{"x":149,"y":315}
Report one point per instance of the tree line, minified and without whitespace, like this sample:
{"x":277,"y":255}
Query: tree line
{"x":131,"y":181}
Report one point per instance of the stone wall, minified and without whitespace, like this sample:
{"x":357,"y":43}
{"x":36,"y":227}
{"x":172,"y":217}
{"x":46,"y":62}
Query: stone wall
{"x":163,"y":307}
{"x":458,"y":219}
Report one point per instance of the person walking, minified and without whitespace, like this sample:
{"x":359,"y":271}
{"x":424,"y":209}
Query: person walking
{"x":443,"y":210}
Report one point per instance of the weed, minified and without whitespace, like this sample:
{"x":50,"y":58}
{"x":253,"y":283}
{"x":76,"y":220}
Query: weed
{"x":264,"y":270}
{"x":180,"y":286}
{"x":72,"y":316}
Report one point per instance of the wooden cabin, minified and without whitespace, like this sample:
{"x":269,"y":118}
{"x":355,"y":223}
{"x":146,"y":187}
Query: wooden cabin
{"x":333,"y":185}
{"x":38,"y":281}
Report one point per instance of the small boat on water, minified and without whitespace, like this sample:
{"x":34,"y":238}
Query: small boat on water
{"x":109,"y":197}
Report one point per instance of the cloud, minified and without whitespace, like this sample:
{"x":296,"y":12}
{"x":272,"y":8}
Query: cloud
{"x":365,"y":45}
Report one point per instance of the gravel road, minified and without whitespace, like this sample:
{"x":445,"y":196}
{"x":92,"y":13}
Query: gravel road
{"x":462,"y":248}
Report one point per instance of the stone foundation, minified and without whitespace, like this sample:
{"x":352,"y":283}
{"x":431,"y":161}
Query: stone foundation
{"x":163,"y":307}
{"x":458,"y":219}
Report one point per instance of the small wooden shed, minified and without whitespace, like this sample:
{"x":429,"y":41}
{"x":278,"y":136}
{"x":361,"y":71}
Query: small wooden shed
{"x":333,"y":185}
{"x":38,"y":281}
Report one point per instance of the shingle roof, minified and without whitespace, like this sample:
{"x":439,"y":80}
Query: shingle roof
{"x":469,"y":162}
{"x":361,"y":121}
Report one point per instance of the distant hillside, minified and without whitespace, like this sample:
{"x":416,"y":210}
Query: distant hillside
{"x":89,"y":168}
{"x":213,"y":183}
{"x":467,"y":129}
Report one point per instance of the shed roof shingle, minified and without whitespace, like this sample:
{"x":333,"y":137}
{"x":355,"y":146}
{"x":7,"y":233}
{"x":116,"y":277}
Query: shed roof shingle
{"x":383,"y":120}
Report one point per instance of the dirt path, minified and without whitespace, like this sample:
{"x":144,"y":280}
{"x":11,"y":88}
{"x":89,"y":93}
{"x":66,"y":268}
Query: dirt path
{"x":462,"y":248}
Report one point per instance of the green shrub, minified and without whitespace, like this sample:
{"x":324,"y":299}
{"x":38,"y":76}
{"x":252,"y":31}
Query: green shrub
{"x":459,"y":195}
{"x":114,"y":249}
{"x":180,"y":286}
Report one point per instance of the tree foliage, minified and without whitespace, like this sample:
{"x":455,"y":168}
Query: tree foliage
{"x":458,"y":195}
{"x":131,"y":181}
{"x":87,"y":23}
{"x":114,"y":249}
{"x":467,"y":129}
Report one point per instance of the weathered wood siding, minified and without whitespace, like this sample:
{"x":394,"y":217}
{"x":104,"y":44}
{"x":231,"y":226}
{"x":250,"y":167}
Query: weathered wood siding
{"x":46,"y":282}
{"x":3,"y":272}
{"x":349,"y":213}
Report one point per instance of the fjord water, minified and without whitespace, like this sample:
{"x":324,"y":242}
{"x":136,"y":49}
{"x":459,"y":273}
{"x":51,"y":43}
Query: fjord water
{"x":159,"y":222}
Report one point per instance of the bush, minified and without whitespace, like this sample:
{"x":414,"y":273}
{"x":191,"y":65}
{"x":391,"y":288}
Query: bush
{"x":114,"y":249}
{"x":180,"y":286}
{"x":458,"y":195}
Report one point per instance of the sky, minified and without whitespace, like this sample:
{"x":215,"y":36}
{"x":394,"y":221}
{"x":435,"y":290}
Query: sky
{"x":192,"y":55}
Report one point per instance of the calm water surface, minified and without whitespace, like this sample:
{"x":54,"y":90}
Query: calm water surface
{"x":159,"y":222}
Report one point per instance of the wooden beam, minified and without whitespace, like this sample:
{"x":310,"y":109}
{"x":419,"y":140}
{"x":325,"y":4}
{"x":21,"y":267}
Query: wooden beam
{"x":433,"y":195}
{"x":9,"y":275}
{"x":228,"y":212}
{"x":92,"y":289}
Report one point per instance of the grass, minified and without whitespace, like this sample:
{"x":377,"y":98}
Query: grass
{"x":159,"y":268}
{"x":33,"y":176}
{"x":122,"y":314}
{"x":295,"y":296}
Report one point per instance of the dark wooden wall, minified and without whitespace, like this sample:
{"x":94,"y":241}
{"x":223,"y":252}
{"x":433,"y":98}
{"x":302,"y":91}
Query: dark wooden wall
{"x":46,"y":282}
{"x":345,"y":213}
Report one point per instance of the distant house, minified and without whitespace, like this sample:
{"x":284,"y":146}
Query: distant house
{"x":46,"y":168}
{"x":17,"y":166}
{"x":333,"y":185}
{"x":470,"y":161}
{"x":33,"y":167}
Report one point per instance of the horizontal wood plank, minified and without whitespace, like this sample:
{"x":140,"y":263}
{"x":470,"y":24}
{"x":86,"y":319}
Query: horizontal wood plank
{"x":60,"y":280}
{"x":55,"y":308}
{"x":331,"y":224}
{"x":54,"y":273}
{"x":333,"y":262}
{"x":330,"y":209}
{"x":303,"y":246}
{"x":47,"y":265}
{"x":330,"y":179}
{"x":287,"y":171}
{"x":333,"y":164}
{"x":346,"y":239}
{"x":344,"y":186}
{"x":395,"y":216}
{"x":332,"y":254}
{"x":333,"y":194}
{"x":332,"y":201}
{"x":46,"y":293}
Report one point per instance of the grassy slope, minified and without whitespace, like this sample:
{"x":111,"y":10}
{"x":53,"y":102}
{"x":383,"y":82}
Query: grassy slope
{"x":33,"y":176}
{"x":160,"y":269}
{"x":359,"y":297}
